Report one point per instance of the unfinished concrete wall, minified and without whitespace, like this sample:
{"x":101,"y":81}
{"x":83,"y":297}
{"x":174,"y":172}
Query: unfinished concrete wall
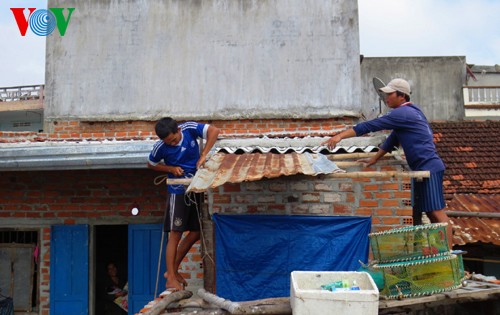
{"x":485,"y":76}
{"x":211,"y":59}
{"x":436,"y":84}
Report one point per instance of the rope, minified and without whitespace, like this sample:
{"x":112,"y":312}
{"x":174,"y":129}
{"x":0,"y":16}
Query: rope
{"x":202,"y":234}
{"x":189,"y":199}
{"x":159,"y":262}
{"x":159,"y":179}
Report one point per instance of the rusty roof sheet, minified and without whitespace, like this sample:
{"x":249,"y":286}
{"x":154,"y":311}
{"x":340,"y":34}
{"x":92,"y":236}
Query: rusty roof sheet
{"x":235,"y":168}
{"x":469,"y":229}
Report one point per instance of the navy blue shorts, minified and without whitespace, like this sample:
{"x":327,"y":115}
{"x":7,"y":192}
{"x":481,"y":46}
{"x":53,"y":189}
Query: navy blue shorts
{"x":182,"y":212}
{"x":427,"y":194}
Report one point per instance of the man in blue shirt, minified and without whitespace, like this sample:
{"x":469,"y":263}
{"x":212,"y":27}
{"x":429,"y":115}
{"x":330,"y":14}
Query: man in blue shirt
{"x":178,"y":154}
{"x":411,"y":130}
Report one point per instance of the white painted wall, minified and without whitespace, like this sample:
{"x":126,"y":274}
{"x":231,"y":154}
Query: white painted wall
{"x":204,"y":59}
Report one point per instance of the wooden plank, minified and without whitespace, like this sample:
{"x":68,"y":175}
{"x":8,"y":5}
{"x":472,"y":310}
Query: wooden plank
{"x":475,"y":291}
{"x":343,"y":164}
{"x":452,"y":213}
{"x":374,"y":174}
{"x":162,"y":304}
{"x":346,"y":156}
{"x":367,"y":174}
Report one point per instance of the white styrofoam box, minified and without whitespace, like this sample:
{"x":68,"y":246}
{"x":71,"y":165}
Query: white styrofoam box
{"x":308,"y":298}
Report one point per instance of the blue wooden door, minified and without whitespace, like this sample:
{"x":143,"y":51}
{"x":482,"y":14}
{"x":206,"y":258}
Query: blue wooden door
{"x":69,"y":272}
{"x":143,"y":252}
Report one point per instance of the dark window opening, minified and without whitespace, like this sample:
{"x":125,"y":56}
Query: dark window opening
{"x":111,"y":247}
{"x":19,"y":259}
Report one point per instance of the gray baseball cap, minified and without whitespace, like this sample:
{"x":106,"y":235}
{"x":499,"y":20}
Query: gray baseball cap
{"x":397,"y":85}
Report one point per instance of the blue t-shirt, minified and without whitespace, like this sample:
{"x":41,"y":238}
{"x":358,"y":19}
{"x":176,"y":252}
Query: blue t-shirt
{"x":185,"y":154}
{"x":411,"y":130}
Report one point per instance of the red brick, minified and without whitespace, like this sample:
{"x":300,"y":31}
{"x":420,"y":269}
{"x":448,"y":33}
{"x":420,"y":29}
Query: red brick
{"x":342,"y":209}
{"x":382,"y":195}
{"x":384,"y":212}
{"x":231,"y":187}
{"x":368,"y":203}
{"x":394,"y":186}
{"x":363,"y":211}
{"x":391,"y":220}
{"x":390,"y":203}
{"x":370,"y":187}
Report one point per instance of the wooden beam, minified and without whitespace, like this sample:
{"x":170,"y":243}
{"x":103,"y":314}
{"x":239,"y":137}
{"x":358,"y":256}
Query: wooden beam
{"x":344,"y":164}
{"x":179,"y":181}
{"x":346,"y":156}
{"x":162,"y":304}
{"x":452,"y":213}
{"x":475,"y":291}
{"x":263,"y":306}
{"x":367,"y":174}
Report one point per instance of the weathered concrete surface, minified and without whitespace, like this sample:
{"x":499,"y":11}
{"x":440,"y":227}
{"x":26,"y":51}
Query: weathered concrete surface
{"x":219,"y":59}
{"x":436,"y":84}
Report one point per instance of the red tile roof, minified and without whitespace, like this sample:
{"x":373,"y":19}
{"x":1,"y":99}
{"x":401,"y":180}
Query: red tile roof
{"x":470,"y":151}
{"x":472,"y":178}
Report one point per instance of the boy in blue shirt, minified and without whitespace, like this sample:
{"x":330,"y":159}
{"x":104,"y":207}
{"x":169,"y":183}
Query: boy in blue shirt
{"x":411,"y":130}
{"x":178,"y":154}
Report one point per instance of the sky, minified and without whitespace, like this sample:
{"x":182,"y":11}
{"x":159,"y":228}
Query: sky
{"x":387,"y":28}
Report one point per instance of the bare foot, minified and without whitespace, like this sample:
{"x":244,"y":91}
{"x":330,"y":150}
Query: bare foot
{"x":181,"y":280}
{"x":173,"y":284}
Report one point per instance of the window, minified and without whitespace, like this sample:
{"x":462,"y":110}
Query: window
{"x":19,"y":268}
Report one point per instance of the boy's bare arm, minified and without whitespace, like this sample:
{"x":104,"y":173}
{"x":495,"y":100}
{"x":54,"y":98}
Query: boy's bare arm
{"x":212,"y":134}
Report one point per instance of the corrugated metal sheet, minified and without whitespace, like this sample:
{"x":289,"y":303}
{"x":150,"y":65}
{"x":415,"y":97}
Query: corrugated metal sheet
{"x":236,"y":168}
{"x":74,"y":155}
{"x":475,"y":229}
{"x":71,"y":155}
{"x":299,"y":145}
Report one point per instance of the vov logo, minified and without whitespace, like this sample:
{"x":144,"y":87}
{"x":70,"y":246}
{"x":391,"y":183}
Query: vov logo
{"x":42,"y":22}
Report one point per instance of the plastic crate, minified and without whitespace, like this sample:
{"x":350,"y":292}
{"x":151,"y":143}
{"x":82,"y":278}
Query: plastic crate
{"x":308,"y":298}
{"x":421,"y":276}
{"x":410,"y":242}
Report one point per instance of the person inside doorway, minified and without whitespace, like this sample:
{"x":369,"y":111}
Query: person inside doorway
{"x":114,"y":291}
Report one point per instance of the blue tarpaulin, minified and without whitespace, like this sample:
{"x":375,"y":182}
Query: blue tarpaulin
{"x":255,"y":254}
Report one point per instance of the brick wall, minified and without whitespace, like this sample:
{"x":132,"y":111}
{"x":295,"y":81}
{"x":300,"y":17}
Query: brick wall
{"x":386,"y":200}
{"x":76,"y":196}
{"x":41,"y":199}
{"x":127,"y":130}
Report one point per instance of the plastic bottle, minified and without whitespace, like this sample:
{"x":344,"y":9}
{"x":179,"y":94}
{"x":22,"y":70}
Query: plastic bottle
{"x":355,"y":286}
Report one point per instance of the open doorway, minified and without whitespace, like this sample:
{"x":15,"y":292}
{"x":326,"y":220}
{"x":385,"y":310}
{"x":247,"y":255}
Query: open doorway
{"x":111,"y":247}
